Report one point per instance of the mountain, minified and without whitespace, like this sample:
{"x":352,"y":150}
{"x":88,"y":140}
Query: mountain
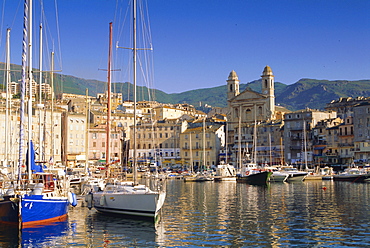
{"x":316,"y":94}
{"x":311,"y":93}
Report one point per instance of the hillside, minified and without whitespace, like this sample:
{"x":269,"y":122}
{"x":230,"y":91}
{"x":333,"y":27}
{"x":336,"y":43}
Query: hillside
{"x":309,"y":93}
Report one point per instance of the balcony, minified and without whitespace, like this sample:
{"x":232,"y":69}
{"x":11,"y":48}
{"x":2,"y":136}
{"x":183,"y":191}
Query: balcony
{"x":346,"y":144}
{"x":331,"y":154}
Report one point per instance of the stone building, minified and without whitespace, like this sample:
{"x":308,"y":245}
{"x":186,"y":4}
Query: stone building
{"x":344,"y":105}
{"x":298,"y":139}
{"x":200,"y":145}
{"x":346,"y":141}
{"x":361,"y":124}
{"x":157,"y":141}
{"x":325,"y":142}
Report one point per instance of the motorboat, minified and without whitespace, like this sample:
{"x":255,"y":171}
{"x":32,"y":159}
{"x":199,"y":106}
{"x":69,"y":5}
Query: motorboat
{"x":294,"y":174}
{"x":352,"y":175}
{"x":277,"y":175}
{"x":225,"y":172}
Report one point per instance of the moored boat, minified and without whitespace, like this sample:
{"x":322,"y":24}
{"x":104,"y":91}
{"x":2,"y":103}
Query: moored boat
{"x":252,"y":175}
{"x":225,"y":172}
{"x":294,"y":174}
{"x":129,"y":199}
{"x":352,"y":175}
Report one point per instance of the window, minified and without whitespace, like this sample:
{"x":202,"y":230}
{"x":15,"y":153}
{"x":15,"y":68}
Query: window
{"x":94,"y":144}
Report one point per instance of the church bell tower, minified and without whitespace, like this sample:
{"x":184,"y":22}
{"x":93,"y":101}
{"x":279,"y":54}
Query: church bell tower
{"x":268,"y":90}
{"x":232,"y":85}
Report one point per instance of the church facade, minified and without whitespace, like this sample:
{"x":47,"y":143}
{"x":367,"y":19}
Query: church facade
{"x":249,"y":111}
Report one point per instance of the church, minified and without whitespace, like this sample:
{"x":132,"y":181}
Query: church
{"x":250,"y":106}
{"x":250,"y":110}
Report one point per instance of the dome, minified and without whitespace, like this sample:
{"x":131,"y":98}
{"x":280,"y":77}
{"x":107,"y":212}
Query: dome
{"x":233,"y":76}
{"x":267,"y":71}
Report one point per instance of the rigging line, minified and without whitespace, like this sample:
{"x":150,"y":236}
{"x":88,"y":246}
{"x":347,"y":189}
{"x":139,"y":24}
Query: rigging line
{"x":2,"y":22}
{"x":58,"y":33}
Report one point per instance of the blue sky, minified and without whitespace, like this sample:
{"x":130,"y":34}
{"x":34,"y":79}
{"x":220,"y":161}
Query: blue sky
{"x":198,"y":42}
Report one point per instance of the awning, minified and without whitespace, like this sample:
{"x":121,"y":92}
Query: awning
{"x":319,"y":148}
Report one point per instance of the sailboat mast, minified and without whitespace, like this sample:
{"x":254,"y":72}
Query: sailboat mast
{"x":40,"y":106}
{"x":23,"y":87}
{"x":109,"y":101}
{"x":270,"y":149}
{"x":134,"y":50}
{"x":191,"y":155}
{"x":52,"y":110}
{"x":7,"y":95}
{"x":204,"y":144}
{"x":30,"y":79}
{"x":240,"y":139}
{"x":87,"y":131}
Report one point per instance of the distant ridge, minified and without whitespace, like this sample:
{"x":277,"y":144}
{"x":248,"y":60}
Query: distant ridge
{"x":311,"y":93}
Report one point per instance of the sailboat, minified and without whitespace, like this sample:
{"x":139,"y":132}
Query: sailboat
{"x":225,"y":171}
{"x":129,"y":198}
{"x":38,"y":197}
{"x":249,"y":172}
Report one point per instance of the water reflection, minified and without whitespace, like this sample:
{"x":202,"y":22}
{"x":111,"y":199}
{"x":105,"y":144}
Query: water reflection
{"x":222,"y":214}
{"x":229,"y":214}
{"x":44,"y":235}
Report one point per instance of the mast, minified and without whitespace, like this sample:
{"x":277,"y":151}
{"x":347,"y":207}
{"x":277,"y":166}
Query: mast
{"x":191,"y":155}
{"x":226,"y":139}
{"x":255,"y":142}
{"x":87,"y":131}
{"x":7,"y":95}
{"x":204,"y":144}
{"x":30,"y":79}
{"x":40,"y":105}
{"x":134,"y":50}
{"x":270,"y":149}
{"x":240,"y":139}
{"x":281,"y":151}
{"x":109,"y":101}
{"x":52,"y":110}
{"x":23,"y":87}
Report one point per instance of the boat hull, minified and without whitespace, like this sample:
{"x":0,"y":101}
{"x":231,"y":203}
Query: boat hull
{"x":296,"y":177}
{"x":9,"y":211}
{"x":35,"y":209}
{"x":130,"y":204}
{"x":224,"y":178}
{"x":260,"y":178}
{"x":350,"y":178}
{"x":278,"y":177}
{"x":38,"y":209}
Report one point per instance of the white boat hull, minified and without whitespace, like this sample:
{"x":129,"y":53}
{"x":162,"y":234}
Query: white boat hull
{"x":278,"y":177}
{"x":145,"y":205}
{"x":296,"y":177}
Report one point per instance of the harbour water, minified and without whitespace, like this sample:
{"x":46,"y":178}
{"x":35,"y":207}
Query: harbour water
{"x":222,"y":214}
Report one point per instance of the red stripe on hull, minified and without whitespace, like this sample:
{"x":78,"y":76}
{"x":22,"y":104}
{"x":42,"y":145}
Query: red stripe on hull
{"x":40,"y":222}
